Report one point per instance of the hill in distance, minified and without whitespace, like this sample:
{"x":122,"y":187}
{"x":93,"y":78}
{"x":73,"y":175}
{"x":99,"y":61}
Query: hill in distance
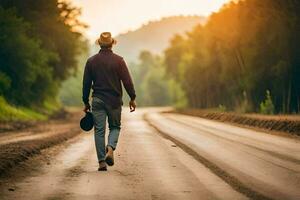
{"x":154,"y":36}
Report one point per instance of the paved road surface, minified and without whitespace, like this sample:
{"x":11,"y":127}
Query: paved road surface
{"x":179,"y":158}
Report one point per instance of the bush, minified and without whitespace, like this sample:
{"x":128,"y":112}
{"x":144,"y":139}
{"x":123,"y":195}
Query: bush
{"x":222,"y":108}
{"x":267,"y":106}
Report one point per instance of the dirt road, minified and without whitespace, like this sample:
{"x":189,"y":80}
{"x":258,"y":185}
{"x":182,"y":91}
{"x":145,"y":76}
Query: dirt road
{"x":176,"y":157}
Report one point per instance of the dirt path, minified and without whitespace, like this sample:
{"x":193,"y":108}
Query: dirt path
{"x":147,"y":167}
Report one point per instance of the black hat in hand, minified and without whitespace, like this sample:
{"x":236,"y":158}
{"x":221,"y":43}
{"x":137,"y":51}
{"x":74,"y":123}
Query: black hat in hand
{"x":87,"y":122}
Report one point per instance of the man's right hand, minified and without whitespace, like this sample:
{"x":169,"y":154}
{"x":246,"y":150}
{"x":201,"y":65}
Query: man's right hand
{"x":86,"y":108}
{"x":132,"y":105}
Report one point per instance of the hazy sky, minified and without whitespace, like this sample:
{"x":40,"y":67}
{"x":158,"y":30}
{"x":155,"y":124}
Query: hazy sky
{"x":119,"y":16}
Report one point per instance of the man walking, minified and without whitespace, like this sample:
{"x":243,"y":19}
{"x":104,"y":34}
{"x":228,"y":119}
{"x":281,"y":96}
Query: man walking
{"x":104,"y":73}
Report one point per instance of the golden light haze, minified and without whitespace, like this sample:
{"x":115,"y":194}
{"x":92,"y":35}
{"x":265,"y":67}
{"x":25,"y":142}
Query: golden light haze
{"x":118,"y":16}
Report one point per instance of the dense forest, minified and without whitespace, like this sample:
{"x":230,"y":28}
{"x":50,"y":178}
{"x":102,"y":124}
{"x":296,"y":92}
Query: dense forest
{"x":245,"y":58}
{"x":40,"y":43}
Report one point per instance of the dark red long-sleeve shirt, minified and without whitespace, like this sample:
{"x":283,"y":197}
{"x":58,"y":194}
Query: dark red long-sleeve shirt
{"x":104,"y":73}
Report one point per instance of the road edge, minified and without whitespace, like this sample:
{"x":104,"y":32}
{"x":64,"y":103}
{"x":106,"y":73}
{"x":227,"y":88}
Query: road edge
{"x":13,"y":154}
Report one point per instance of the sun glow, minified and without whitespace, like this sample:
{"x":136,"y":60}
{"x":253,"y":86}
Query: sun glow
{"x":120,"y":16}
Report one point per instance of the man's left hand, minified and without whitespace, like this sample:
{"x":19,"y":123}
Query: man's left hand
{"x":132,"y":105}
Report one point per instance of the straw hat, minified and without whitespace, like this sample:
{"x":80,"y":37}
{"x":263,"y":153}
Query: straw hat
{"x":105,"y":39}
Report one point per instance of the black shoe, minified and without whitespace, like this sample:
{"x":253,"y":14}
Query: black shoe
{"x":102,"y":166}
{"x":109,"y":159}
{"x":102,"y":169}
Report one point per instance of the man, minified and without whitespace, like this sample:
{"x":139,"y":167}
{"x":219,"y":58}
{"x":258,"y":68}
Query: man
{"x":104,"y":72}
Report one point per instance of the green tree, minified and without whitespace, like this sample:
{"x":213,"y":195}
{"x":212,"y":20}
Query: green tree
{"x":247,"y":47}
{"x":41,"y":41}
{"x":24,"y":64}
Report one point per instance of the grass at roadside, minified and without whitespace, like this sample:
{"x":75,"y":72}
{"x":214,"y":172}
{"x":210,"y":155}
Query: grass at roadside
{"x":10,"y":113}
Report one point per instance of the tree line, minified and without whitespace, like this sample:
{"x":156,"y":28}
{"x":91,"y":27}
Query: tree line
{"x":40,"y":42}
{"x":245,"y":58}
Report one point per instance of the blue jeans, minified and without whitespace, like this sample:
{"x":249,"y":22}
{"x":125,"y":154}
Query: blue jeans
{"x":101,"y":112}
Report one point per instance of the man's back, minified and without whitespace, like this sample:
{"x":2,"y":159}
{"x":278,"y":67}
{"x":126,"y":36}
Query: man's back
{"x":105,"y":71}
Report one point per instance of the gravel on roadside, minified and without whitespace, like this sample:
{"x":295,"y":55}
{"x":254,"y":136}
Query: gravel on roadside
{"x":281,"y":123}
